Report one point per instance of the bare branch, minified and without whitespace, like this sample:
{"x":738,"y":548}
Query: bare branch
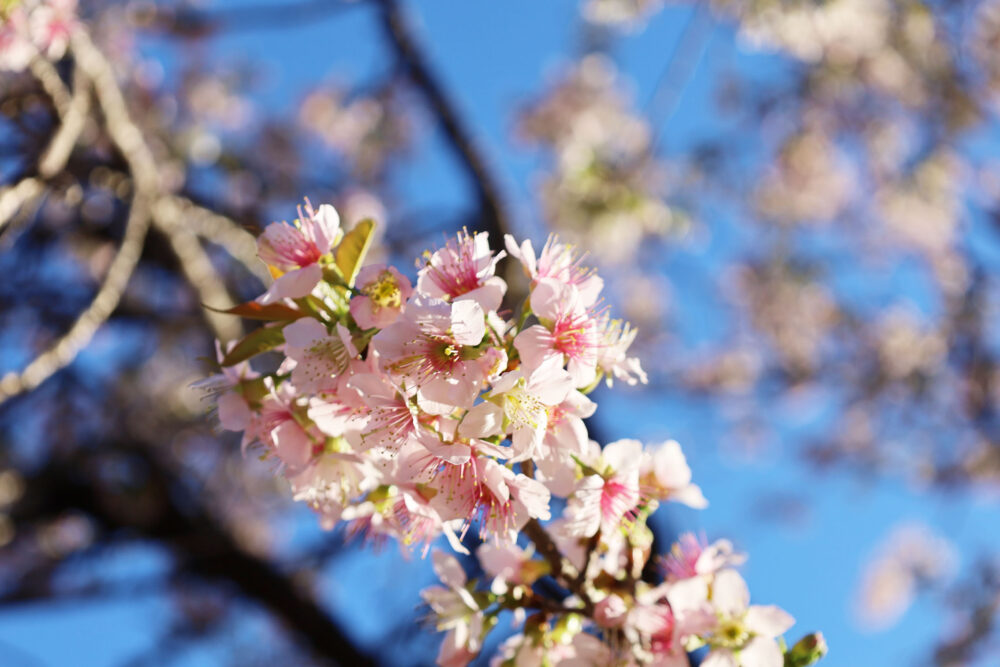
{"x":128,"y":139}
{"x":12,"y":198}
{"x":219,"y":229}
{"x":494,"y":213}
{"x":53,"y":84}
{"x":197,"y":267}
{"x":74,"y":119}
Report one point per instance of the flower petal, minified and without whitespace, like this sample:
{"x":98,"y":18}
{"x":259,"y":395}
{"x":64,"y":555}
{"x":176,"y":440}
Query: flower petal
{"x":768,"y":620}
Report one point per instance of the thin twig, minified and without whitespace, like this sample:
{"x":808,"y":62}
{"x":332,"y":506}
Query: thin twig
{"x":48,"y":76}
{"x":74,"y":119}
{"x":562,"y":571}
{"x":679,"y":69}
{"x":128,"y":140}
{"x":12,"y":198}
{"x":224,"y":232}
{"x":197,"y":267}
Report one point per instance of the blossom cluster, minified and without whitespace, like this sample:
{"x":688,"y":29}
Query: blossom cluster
{"x":412,"y":409}
{"x":34,"y":28}
{"x":605,"y":187}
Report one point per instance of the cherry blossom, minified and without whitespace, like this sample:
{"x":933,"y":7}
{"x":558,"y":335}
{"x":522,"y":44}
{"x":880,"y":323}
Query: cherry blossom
{"x":464,"y":268}
{"x":384,"y":290}
{"x":745,"y":634}
{"x":601,"y":501}
{"x":294,"y":251}
{"x":415,"y":414}
{"x":664,"y":474}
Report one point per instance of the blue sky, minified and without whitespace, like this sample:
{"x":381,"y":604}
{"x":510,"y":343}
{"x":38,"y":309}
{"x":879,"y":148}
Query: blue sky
{"x":492,"y":56}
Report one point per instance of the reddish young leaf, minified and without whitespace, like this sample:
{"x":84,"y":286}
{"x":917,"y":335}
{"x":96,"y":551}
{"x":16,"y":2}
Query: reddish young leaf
{"x":272,"y":312}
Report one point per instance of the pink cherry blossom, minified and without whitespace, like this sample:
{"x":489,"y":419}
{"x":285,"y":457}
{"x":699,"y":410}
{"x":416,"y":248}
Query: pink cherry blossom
{"x":320,"y":357}
{"x":231,"y":407}
{"x":602,"y":501}
{"x":691,"y":556}
{"x":612,"y":359}
{"x":51,"y":23}
{"x":415,"y":414}
{"x":509,"y":565}
{"x":567,"y":331}
{"x":457,"y":612}
{"x":565,"y":437}
{"x":559,"y":262}
{"x":464,"y":268}
{"x":481,"y":490}
{"x":665,"y":475}
{"x":431,"y":347}
{"x":520,"y":405}
{"x":383,"y":295}
{"x":296,"y":250}
{"x":329,"y":483}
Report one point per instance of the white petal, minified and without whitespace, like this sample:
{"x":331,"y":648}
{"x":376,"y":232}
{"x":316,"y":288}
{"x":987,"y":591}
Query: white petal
{"x":730,"y":594}
{"x":482,"y":421}
{"x":623,"y":455}
{"x":448,"y":569}
{"x":761,"y":652}
{"x":691,"y":496}
{"x":768,"y":620}
{"x":688,"y":594}
{"x":719,"y":658}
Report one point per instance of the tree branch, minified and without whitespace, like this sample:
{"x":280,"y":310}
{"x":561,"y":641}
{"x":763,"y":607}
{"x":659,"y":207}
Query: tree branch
{"x":493,"y":211}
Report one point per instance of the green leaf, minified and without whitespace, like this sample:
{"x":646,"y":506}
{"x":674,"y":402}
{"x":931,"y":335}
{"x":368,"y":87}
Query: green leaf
{"x":272,"y":312}
{"x":352,"y":250}
{"x":256,"y":342}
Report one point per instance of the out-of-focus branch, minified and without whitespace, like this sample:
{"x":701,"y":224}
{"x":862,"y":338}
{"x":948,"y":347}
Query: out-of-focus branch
{"x":46,"y":74}
{"x":680,"y":67}
{"x":148,"y":200}
{"x":197,"y":268}
{"x":494,"y":213}
{"x":219,"y":229}
{"x":128,"y":139}
{"x":13,"y":197}
{"x":187,"y":21}
{"x":203,"y":546}
{"x":560,"y":569}
{"x":74,"y":119}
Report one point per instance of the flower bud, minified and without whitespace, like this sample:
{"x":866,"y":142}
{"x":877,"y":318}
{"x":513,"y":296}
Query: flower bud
{"x":610,"y":612}
{"x":807,"y":651}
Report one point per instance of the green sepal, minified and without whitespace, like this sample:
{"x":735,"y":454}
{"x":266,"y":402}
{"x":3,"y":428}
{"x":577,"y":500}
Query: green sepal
{"x":256,"y":342}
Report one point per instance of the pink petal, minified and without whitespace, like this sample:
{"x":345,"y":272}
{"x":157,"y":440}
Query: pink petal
{"x":326,"y":224}
{"x":535,"y":345}
{"x":292,"y":444}
{"x":234,"y":414}
{"x":482,"y":421}
{"x":304,"y":333}
{"x":468,"y":322}
{"x":293,"y":285}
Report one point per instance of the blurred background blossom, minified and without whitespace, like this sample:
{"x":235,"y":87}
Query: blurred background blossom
{"x":797,"y":202}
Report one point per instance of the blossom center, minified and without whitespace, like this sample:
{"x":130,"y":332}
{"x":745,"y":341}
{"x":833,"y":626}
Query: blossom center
{"x":384,"y":291}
